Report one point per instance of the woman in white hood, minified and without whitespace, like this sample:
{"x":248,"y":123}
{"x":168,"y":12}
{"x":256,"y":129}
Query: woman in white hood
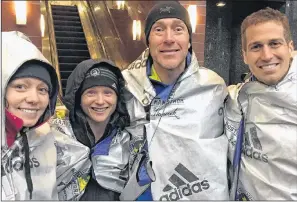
{"x":37,"y":163}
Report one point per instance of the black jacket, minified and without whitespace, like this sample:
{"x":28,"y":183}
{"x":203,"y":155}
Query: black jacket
{"x":94,"y":192}
{"x":80,"y":126}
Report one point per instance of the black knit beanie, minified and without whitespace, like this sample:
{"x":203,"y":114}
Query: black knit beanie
{"x":34,"y":69}
{"x":100,"y":76}
{"x":169,"y":9}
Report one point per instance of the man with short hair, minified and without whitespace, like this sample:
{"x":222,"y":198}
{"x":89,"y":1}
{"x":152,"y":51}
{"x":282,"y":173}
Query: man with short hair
{"x":261,"y":114}
{"x":176,"y":114}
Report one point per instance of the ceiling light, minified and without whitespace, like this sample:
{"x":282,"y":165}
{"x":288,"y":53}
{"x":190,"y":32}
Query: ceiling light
{"x":221,"y":4}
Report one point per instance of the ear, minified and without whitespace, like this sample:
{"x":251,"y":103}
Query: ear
{"x":291,"y":46}
{"x":189,"y":45}
{"x":244,"y":56}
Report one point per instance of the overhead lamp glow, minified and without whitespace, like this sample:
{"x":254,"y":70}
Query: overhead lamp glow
{"x":221,"y":4}
{"x":81,"y":9}
{"x":121,"y":4}
{"x":192,"y":10}
{"x":97,"y":8}
{"x":42,"y":25}
{"x":20,"y":12}
{"x":136,"y":30}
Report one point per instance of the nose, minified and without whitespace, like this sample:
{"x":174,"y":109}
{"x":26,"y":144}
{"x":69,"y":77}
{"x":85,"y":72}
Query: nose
{"x":169,"y":37}
{"x":32,"y":96}
{"x":266,"y":53}
{"x":100,"y":99}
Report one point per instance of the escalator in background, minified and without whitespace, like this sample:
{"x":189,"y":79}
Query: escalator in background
{"x":71,"y":42}
{"x":79,"y":30}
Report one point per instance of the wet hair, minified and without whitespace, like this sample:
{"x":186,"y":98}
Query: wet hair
{"x":6,"y":103}
{"x":262,"y":16}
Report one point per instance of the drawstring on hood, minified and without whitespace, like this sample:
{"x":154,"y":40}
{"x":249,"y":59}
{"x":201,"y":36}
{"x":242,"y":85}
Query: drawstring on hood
{"x":27,"y":164}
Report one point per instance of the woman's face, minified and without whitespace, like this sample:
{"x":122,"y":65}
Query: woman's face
{"x":99,"y":103}
{"x":27,"y":98}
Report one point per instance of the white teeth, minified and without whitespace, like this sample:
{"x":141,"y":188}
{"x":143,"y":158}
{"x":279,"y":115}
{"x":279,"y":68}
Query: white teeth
{"x":29,"y":110}
{"x":268,"y":66}
{"x":99,"y":109}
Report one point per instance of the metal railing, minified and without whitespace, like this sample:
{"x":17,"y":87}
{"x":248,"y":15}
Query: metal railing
{"x":52,"y":43}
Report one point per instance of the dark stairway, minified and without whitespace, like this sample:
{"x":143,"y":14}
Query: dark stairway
{"x":71,"y":43}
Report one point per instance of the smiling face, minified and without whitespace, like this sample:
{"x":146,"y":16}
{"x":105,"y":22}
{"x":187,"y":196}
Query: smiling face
{"x":169,"y":43}
{"x":27,"y":98}
{"x":267,"y":53}
{"x":99,"y":103}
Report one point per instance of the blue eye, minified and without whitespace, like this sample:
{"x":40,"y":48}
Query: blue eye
{"x":44,"y":90}
{"x":255,"y":47}
{"x":91,"y":92}
{"x":20,"y":87}
{"x":179,"y":29}
{"x":108,"y":92}
{"x":274,"y":44}
{"x":158,"y":29}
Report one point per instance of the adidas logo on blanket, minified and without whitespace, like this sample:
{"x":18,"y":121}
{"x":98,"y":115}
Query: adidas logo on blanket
{"x":185,"y":184}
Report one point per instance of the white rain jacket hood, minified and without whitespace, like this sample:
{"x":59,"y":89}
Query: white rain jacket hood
{"x":268,"y":159}
{"x":59,"y":166}
{"x":184,"y":133}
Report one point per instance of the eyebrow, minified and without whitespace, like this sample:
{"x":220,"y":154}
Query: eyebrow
{"x":258,"y":42}
{"x":20,"y":80}
{"x":176,"y":21}
{"x":279,"y":39}
{"x":27,"y":81}
{"x":254,"y":43}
